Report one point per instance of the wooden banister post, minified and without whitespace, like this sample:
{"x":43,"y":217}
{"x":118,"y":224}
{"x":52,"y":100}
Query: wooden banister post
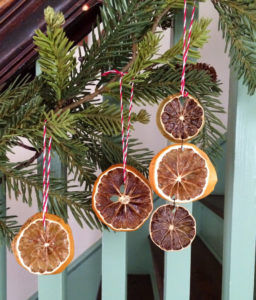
{"x":240,"y":195}
{"x":114,"y":265}
{"x":53,"y":286}
{"x":3,"y":270}
{"x":177,"y":264}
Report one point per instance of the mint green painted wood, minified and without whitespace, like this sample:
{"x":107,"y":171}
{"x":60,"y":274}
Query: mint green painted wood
{"x":209,"y":229}
{"x":53,"y":286}
{"x":139,"y":255}
{"x":114,"y":265}
{"x":177,"y":264}
{"x":240,"y":204}
{"x":3,"y":275}
{"x":84,"y":275}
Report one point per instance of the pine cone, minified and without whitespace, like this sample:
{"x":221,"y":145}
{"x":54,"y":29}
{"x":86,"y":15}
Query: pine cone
{"x":203,"y":66}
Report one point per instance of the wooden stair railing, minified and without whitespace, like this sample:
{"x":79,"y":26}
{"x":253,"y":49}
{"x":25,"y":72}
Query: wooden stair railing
{"x":206,"y":272}
{"x":139,"y":287}
{"x":3,"y":270}
{"x":18,"y":21}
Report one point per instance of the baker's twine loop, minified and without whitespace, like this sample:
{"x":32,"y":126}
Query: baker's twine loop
{"x":186,"y":45}
{"x":124,"y":141}
{"x":46,"y":172}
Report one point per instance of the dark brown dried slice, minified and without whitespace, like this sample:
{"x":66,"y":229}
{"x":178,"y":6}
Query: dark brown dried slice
{"x":180,"y":122}
{"x":122,"y":207}
{"x":172,"y":228}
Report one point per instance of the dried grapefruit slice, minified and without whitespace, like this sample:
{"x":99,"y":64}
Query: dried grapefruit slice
{"x":44,"y":251}
{"x":172,"y":228}
{"x":178,"y":121}
{"x":182,"y":174}
{"x":122,"y":207}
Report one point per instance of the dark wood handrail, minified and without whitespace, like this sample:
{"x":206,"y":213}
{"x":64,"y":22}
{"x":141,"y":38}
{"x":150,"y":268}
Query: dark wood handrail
{"x":18,"y":21}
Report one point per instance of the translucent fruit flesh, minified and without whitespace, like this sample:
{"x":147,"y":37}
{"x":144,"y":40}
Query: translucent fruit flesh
{"x":44,"y":251}
{"x":123,"y":207}
{"x":182,"y":174}
{"x":172,"y":228}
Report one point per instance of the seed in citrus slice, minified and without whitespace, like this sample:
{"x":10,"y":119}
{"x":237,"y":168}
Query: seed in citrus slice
{"x":44,"y":251}
{"x":122,"y":207}
{"x":183,"y":174}
{"x":172,"y":228}
{"x":178,"y":121}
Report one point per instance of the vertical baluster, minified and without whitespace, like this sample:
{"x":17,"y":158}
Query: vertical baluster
{"x":240,"y":196}
{"x":53,"y":286}
{"x":3,"y":270}
{"x":114,"y":261}
{"x":177,"y":264}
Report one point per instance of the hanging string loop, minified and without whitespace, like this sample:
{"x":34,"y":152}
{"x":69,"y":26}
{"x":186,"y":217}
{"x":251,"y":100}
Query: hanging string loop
{"x":124,"y":141}
{"x":46,"y":171}
{"x":186,"y":45}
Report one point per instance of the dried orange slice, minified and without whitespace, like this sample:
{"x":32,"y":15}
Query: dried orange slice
{"x":178,"y":121}
{"x":182,"y":174}
{"x":172,"y":228}
{"x":122,"y":207}
{"x":44,"y":251}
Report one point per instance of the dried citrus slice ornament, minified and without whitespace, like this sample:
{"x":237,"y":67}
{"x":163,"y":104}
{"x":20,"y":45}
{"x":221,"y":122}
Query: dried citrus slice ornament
{"x":172,"y":228}
{"x":179,"y":121}
{"x":44,"y":251}
{"x":182,"y":172}
{"x":122,"y":206}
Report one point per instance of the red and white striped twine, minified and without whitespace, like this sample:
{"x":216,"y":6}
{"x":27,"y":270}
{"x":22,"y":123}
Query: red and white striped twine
{"x":124,"y":142}
{"x":46,"y":173}
{"x":186,"y":45}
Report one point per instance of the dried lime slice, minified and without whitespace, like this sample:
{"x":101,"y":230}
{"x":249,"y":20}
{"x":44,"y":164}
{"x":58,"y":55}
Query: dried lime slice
{"x":172,"y":228}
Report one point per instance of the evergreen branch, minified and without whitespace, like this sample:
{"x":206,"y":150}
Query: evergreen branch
{"x":22,"y":145}
{"x":238,"y":24}
{"x":160,"y":16}
{"x":8,"y":229}
{"x":56,"y":55}
{"x":106,"y":151}
{"x":24,"y":182}
{"x":199,"y":37}
{"x":28,"y":162}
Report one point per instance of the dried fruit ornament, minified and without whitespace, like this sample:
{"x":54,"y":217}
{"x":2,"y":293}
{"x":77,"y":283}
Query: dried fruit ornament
{"x":172,"y":228}
{"x":184,"y":173}
{"x":180,"y":122}
{"x":180,"y":173}
{"x":122,"y":206}
{"x":44,"y":244}
{"x":122,"y":197}
{"x":44,"y":250}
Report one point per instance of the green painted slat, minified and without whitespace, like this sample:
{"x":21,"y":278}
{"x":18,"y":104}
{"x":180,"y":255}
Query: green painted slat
{"x":3,"y":271}
{"x":53,"y":286}
{"x":209,"y":229}
{"x":114,"y":265}
{"x":177,"y":264}
{"x":84,"y":275}
{"x":239,"y":218}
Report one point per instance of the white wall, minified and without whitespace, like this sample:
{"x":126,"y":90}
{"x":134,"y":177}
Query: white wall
{"x":21,"y":284}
